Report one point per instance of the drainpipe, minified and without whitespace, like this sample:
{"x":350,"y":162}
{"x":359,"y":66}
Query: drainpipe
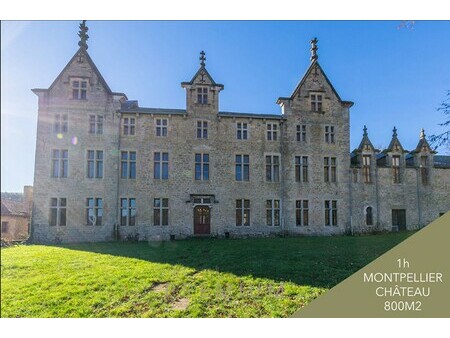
{"x":377,"y":196}
{"x":419,"y":211}
{"x":116,"y":223}
{"x":282,"y":177}
{"x":350,"y":198}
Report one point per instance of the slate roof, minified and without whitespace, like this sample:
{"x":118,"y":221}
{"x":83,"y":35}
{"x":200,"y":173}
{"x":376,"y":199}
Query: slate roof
{"x":142,"y":110}
{"x":132,"y":106}
{"x":251,"y":115}
{"x":442,"y":161}
{"x":12,"y":208}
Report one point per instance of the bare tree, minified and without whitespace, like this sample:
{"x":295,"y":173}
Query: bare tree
{"x":443,"y":139}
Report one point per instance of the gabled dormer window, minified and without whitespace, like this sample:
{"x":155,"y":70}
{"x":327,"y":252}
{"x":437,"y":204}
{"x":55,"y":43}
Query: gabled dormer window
{"x":316,"y":102}
{"x":202,"y":95}
{"x":424,"y":169}
{"x":79,"y":89}
{"x":366,"y":168}
{"x":396,"y":168}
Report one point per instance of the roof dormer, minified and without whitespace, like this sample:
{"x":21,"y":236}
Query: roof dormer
{"x":314,"y":93}
{"x":202,"y":92}
{"x":366,"y":145}
{"x":80,"y":83}
{"x":423,"y":152}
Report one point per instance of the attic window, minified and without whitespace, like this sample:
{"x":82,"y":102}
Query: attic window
{"x":202,"y":95}
{"x":316,"y":102}
{"x":79,"y":89}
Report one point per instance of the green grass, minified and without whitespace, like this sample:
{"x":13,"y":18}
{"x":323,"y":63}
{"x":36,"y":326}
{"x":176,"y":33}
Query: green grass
{"x":267,"y":277}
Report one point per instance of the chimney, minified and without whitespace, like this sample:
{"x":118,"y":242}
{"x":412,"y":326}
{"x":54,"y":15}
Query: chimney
{"x":27,"y":198}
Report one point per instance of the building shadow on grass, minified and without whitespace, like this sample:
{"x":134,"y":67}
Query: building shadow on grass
{"x":314,"y":261}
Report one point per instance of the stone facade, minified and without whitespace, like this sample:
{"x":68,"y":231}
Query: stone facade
{"x":313,"y":124}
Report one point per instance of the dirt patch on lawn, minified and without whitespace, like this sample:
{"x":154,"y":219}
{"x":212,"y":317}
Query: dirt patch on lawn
{"x":160,"y":287}
{"x":180,"y":304}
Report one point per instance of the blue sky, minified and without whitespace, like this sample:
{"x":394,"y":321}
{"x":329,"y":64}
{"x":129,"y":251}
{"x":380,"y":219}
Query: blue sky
{"x":394,"y":76}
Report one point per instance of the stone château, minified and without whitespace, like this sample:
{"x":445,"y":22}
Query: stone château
{"x":107,"y":168}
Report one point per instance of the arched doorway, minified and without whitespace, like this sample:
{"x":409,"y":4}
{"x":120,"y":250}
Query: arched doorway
{"x":202,"y":220}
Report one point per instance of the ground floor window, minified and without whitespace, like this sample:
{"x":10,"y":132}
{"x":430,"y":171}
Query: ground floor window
{"x":301,"y":212}
{"x":58,"y":211}
{"x":5,"y":227}
{"x":331,"y":212}
{"x":127,"y":211}
{"x":369,"y":216}
{"x":94,"y":211}
{"x":242,"y":212}
{"x":273,"y":212}
{"x":161,"y":211}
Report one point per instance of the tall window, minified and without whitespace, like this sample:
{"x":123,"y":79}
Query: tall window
{"x":355,"y":175}
{"x":128,"y":164}
{"x":60,"y":163}
{"x":273,"y":212}
{"x":161,"y":166}
{"x":241,"y":130}
{"x":129,"y":126}
{"x":272,"y":168}
{"x":95,"y":163}
{"x":60,"y":123}
{"x":329,"y":134}
{"x":94,"y":211}
{"x":5,"y":227}
{"x":366,"y":168}
{"x":161,"y":211}
{"x":369,"y":216}
{"x":58,"y":211}
{"x":127,"y":211}
{"x":301,"y":168}
{"x":161,"y":127}
{"x":316,"y":102}
{"x":272,"y":131}
{"x":202,"y":129}
{"x":96,"y":124}
{"x":424,"y":169}
{"x":301,"y":212}
{"x":242,"y":212}
{"x":331,"y":212}
{"x":79,"y":89}
{"x":242,"y":167}
{"x":329,"y":169}
{"x":301,"y":133}
{"x":202,"y":95}
{"x":202,"y":167}
{"x":396,"y":168}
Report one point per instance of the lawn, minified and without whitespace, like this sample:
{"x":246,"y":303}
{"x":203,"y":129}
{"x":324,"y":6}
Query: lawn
{"x":266,"y":277}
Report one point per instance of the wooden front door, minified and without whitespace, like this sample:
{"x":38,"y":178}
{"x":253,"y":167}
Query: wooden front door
{"x":399,"y":219}
{"x":202,"y":220}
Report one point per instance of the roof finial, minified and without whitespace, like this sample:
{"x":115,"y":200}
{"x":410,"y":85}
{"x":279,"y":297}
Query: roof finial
{"x":365,"y":130}
{"x":202,"y":58}
{"x":394,"y":132}
{"x":422,"y":134}
{"x":83,"y":35}
{"x":314,"y":49}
